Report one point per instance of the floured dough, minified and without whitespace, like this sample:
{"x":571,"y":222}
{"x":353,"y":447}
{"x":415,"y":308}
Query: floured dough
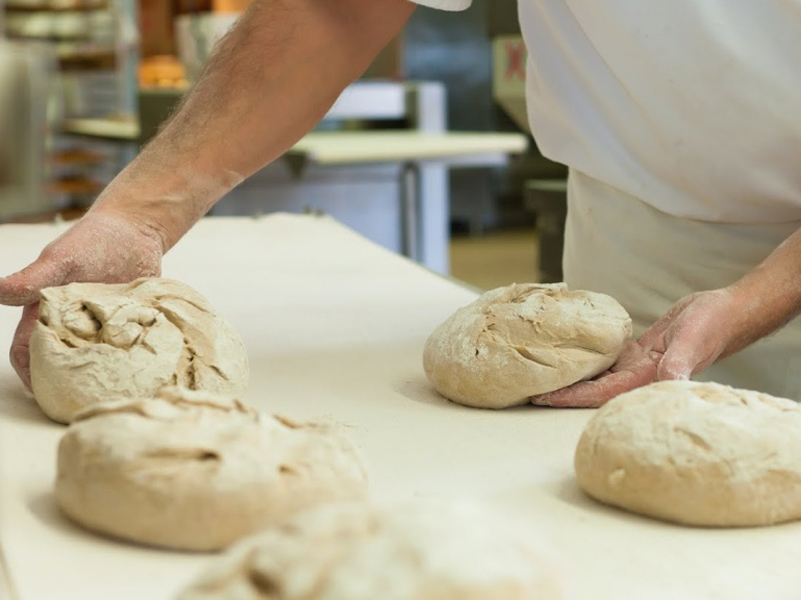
{"x":350,"y":552}
{"x":194,"y":471}
{"x":524,"y":340}
{"x":97,"y":342}
{"x":695,"y":453}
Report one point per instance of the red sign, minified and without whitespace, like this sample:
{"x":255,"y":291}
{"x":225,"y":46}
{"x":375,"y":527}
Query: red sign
{"x":515,"y":60}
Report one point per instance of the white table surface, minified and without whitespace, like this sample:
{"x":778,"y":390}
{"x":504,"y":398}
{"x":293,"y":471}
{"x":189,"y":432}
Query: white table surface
{"x":349,"y":147}
{"x":334,"y":327}
{"x":111,"y":129}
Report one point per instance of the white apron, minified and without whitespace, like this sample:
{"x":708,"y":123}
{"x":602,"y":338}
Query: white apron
{"x":647,"y":260}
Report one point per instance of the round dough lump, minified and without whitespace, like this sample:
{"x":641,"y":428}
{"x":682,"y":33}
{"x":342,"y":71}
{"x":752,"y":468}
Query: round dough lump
{"x":524,"y":340}
{"x":97,"y":342}
{"x":193,"y":471}
{"x":351,"y":552}
{"x":695,"y":453}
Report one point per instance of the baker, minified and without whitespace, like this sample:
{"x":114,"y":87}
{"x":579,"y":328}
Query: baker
{"x":679,"y":121}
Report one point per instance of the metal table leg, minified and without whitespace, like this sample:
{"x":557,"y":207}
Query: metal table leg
{"x":410,"y":210}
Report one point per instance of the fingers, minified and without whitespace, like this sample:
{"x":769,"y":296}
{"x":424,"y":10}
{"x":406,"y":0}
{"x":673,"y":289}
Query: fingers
{"x":584,"y":394}
{"x":23,"y":287}
{"x":597,"y":392}
{"x":20,"y":354}
{"x":692,"y":344}
{"x":674,"y":367}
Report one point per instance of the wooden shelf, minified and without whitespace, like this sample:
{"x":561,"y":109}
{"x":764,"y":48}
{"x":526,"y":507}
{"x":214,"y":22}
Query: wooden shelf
{"x":67,"y":214}
{"x":77,"y":186}
{"x":87,"y":61}
{"x":76,"y":157}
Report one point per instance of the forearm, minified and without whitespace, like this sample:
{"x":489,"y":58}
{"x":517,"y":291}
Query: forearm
{"x":268,"y":83}
{"x":770,"y":295}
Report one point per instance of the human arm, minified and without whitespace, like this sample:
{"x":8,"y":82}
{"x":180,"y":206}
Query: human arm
{"x":699,"y":330}
{"x":269,"y":81}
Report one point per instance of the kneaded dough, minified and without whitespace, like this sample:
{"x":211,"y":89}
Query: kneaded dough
{"x":412,"y":552}
{"x":194,"y":471}
{"x":695,"y":453}
{"x":96,"y":342}
{"x":524,"y":340}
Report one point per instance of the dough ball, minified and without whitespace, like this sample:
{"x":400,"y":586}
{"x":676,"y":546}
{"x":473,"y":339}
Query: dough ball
{"x":193,"y":471}
{"x":524,"y":340}
{"x":695,"y":453}
{"x":350,"y":552}
{"x":96,"y":342}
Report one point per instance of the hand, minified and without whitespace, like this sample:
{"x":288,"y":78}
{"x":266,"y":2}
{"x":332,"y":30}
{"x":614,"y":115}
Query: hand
{"x":105,"y":247}
{"x":697,"y":331}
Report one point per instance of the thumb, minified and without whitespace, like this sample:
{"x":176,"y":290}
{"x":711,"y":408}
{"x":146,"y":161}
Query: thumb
{"x":20,"y":355}
{"x":674,"y":368}
{"x":680,"y":359}
{"x":23,"y":286}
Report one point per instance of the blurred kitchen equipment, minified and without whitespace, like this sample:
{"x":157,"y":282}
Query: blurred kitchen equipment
{"x":195,"y":36}
{"x":27,"y":73}
{"x":548,"y":199}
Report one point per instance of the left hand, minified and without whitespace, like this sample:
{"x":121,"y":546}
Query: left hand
{"x":697,"y":331}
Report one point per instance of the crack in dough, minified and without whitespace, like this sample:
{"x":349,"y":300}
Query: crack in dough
{"x":190,"y":470}
{"x":695,"y":453}
{"x":524,"y":340}
{"x":98,"y":342}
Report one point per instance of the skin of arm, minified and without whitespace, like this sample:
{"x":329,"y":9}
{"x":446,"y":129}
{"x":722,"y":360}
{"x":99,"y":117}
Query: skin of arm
{"x":269,"y":81}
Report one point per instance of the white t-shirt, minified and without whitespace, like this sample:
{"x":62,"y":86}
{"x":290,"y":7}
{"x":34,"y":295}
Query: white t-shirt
{"x":693,"y":106}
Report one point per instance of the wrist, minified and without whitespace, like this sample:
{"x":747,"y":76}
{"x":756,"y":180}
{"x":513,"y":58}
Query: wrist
{"x":763,"y":302}
{"x":163,"y":202}
{"x":149,"y":228}
{"x":113,"y":214}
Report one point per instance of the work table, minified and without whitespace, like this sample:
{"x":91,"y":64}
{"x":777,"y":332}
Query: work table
{"x":335,"y":326}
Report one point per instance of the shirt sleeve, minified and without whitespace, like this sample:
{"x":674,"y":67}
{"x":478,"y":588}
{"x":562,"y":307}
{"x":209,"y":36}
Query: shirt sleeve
{"x":451,"y":5}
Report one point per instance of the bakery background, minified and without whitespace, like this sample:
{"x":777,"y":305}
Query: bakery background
{"x":85,"y":83}
{"x":429,"y":157}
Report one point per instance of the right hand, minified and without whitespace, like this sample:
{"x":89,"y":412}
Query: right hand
{"x":637,"y":366}
{"x":697,"y":331}
{"x":103,"y":247}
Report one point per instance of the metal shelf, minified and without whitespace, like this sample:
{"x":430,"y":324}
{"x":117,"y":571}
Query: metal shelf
{"x":48,"y":38}
{"x":55,"y":9}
